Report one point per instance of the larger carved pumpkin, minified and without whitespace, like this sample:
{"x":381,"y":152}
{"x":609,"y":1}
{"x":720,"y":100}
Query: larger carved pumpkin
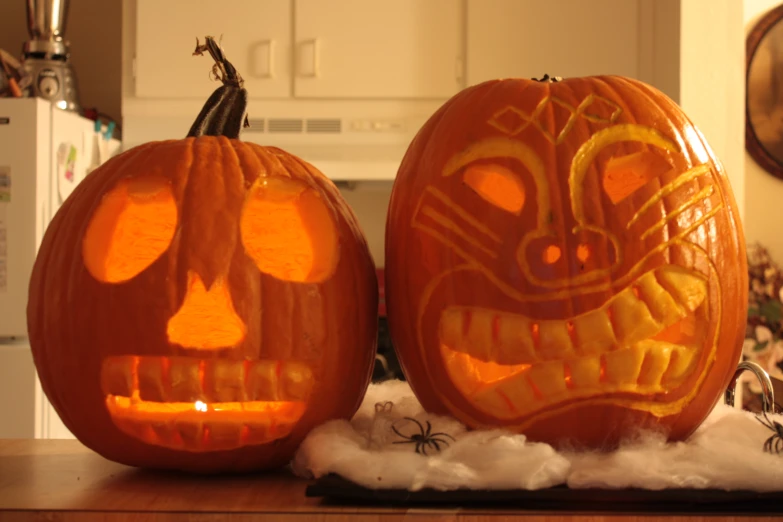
{"x":201,"y":304}
{"x":564,"y":258}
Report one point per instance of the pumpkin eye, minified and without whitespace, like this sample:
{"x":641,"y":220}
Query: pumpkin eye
{"x":497,"y":185}
{"x":626,"y":174}
{"x":132,"y":227}
{"x":288,"y":231}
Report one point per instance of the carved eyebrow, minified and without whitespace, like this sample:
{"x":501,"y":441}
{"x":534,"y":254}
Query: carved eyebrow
{"x":589,"y":150}
{"x":682,"y":179}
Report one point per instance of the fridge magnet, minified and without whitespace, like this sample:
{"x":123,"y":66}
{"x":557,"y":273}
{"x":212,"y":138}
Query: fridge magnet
{"x":5,"y":184}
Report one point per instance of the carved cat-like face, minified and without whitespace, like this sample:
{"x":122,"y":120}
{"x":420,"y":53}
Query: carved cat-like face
{"x":564,"y":247}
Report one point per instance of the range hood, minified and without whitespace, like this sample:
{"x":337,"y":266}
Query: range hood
{"x":346,"y":140}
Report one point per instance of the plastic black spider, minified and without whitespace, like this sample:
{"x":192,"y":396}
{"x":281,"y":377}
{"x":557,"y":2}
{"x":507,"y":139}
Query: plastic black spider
{"x":424,"y":439}
{"x":774,"y":444}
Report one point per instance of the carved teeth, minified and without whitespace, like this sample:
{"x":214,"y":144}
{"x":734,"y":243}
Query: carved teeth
{"x":656,"y":300}
{"x":647,"y":367}
{"x":184,"y":380}
{"x":205,"y":405}
{"x":193,"y":431}
{"x":187,"y":380}
{"x":622,"y":347}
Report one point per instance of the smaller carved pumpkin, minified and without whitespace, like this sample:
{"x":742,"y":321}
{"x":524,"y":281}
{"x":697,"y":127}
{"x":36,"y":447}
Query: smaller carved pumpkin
{"x":201,"y":304}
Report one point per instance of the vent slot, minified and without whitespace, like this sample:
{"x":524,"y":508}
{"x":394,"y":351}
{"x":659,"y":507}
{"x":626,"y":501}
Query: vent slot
{"x":256,"y":124}
{"x":328,"y":125}
{"x":285,"y":125}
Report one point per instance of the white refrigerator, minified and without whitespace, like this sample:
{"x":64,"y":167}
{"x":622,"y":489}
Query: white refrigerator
{"x":44,"y":153}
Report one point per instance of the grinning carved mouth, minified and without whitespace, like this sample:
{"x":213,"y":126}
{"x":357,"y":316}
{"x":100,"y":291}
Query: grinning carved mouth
{"x":642,"y":341}
{"x":203,"y":405}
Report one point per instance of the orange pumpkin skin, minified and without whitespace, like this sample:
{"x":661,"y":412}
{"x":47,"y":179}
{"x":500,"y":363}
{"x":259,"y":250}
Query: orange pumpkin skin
{"x":565,"y":259}
{"x":102,"y":327}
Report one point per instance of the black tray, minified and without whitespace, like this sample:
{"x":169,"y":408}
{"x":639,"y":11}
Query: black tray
{"x":336,"y":489}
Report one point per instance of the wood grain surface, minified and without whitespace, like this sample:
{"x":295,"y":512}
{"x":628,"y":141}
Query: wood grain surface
{"x":62,"y":481}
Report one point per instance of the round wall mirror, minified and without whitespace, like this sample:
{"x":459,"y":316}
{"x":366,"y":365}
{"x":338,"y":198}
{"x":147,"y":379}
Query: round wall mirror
{"x":764,"y":95}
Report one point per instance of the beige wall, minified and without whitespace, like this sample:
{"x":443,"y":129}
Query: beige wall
{"x":763,"y":192}
{"x":94,"y":28}
{"x":712,"y":86}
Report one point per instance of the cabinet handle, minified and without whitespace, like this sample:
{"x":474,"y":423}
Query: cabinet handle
{"x":313,"y":46}
{"x":258,"y":58}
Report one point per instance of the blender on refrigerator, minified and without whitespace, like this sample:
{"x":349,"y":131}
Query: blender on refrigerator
{"x":46,"y":56}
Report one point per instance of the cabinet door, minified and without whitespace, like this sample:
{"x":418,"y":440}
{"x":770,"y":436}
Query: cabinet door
{"x":255,"y":34}
{"x":530,"y":38}
{"x":377,"y":48}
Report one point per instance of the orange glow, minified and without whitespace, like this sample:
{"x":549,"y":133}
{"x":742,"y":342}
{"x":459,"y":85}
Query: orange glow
{"x":681,"y":332}
{"x":207,"y":319}
{"x":199,"y":426}
{"x":288,"y":230}
{"x":567,"y":376}
{"x":551,"y":254}
{"x":535,"y":332}
{"x":199,"y":410}
{"x":625,"y":175}
{"x":131,"y":228}
{"x":498,"y":185}
{"x":470,"y":375}
{"x":583,"y":252}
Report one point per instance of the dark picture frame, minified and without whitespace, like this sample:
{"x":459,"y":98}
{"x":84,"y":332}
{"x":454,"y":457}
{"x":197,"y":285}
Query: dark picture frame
{"x":764,"y":92}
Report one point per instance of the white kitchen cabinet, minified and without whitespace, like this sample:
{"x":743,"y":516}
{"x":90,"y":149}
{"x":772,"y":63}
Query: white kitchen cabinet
{"x":530,"y":38}
{"x":378,"y":48}
{"x":401,"y":49}
{"x":255,"y":34}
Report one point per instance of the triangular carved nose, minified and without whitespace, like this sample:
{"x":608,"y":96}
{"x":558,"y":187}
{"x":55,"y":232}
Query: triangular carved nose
{"x":207,"y":319}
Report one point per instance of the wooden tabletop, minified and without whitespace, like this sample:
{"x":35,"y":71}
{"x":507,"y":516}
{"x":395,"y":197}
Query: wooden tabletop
{"x":62,"y":481}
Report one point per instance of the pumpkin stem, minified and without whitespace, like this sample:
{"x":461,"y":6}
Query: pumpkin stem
{"x":225,"y":112}
{"x":548,"y":79}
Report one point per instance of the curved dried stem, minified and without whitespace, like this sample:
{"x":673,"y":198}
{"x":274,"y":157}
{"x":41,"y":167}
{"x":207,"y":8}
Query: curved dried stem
{"x":225,"y":112}
{"x":223,"y":69}
{"x":548,"y":79}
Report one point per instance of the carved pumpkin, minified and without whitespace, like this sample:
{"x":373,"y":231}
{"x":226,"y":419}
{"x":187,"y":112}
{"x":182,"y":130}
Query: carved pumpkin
{"x":564,"y":259}
{"x":201,"y":304}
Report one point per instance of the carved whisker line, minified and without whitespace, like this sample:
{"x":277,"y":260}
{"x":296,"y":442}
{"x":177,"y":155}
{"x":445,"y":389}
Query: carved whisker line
{"x":450,"y":225}
{"x":699,"y":197}
{"x":450,"y":244}
{"x":667,"y":189}
{"x":463,"y":214}
{"x":696,"y":224}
